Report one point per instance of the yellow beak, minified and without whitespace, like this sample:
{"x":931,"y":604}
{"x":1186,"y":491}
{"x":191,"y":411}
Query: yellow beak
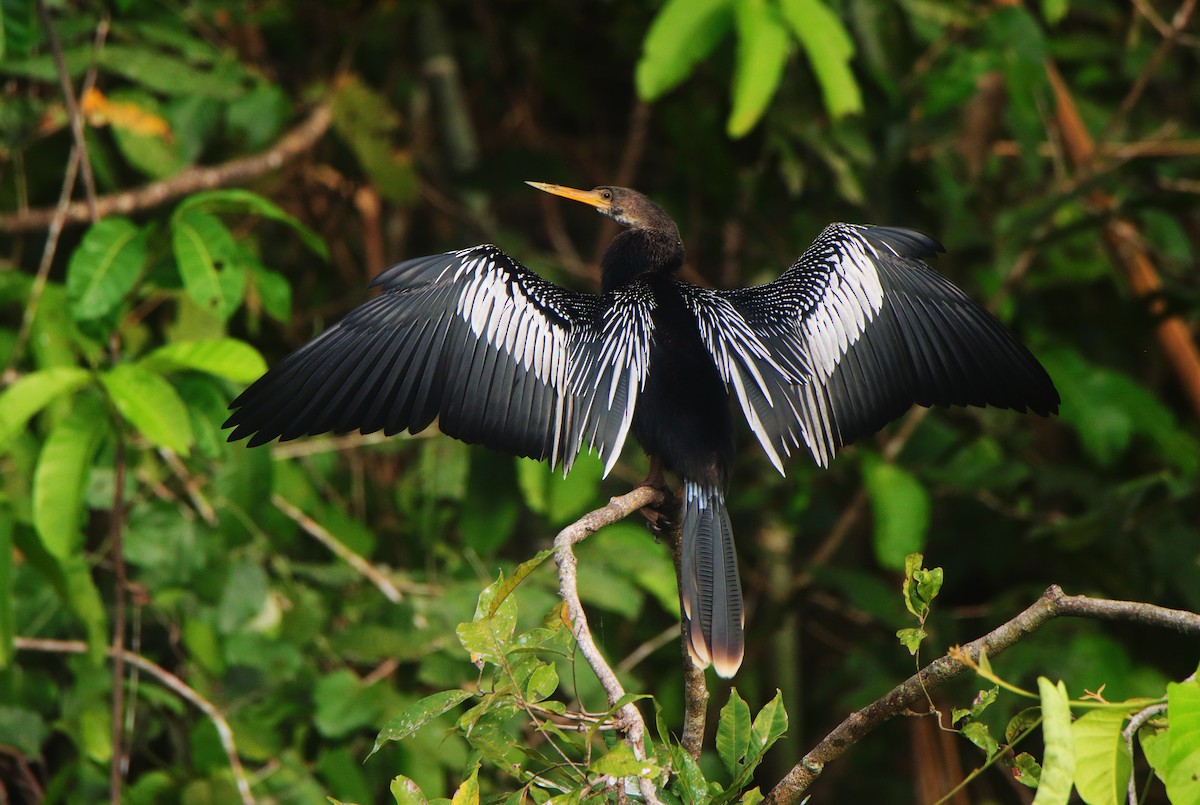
{"x":592,"y":198}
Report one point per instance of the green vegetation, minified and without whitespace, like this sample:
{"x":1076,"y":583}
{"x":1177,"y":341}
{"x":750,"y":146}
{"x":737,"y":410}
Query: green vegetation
{"x":306,"y":620}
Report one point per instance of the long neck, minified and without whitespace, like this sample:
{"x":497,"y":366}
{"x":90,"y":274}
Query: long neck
{"x":634,"y":252}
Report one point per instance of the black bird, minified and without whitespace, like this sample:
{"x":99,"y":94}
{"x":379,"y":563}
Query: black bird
{"x":846,"y":340}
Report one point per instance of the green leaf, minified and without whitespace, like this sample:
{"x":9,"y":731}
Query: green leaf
{"x":761,"y":54}
{"x":18,"y":28}
{"x":688,"y":780}
{"x":1183,"y":743}
{"x":405,"y":791}
{"x":153,"y":153}
{"x":921,"y":585}
{"x":769,"y":726}
{"x":1058,"y":767}
{"x":911,"y":639}
{"x":1155,"y":746}
{"x":556,"y":498}
{"x":105,"y":267}
{"x":1102,"y":760}
{"x":157,"y":71}
{"x":237,"y":200}
{"x":682,"y":34}
{"x":733,"y":732}
{"x":978,"y":733}
{"x":151,"y":405}
{"x":542,"y":683}
{"x":487,"y":635}
{"x":33,"y":392}
{"x":620,"y":762}
{"x":1027,"y":770}
{"x":900,"y":506}
{"x":63,"y":467}
{"x":829,"y":48}
{"x":224,"y":357}
{"x":519,"y":575}
{"x":367,"y":122}
{"x":202,"y":245}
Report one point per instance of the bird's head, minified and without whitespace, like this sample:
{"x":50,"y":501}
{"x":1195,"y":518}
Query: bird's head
{"x":627,"y":207}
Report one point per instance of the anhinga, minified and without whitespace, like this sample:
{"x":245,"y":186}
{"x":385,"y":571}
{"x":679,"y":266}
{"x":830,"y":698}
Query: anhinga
{"x":846,"y":340}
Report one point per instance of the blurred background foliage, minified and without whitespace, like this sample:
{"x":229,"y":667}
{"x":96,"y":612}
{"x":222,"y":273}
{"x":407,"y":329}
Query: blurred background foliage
{"x":404,"y":128}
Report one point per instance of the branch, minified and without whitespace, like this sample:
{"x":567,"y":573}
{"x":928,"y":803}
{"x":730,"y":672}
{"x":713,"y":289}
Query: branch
{"x":1054,"y":603}
{"x":318,"y":532}
{"x":630,"y":719}
{"x":170,"y":681}
{"x":236,"y":171}
{"x":1123,"y":239}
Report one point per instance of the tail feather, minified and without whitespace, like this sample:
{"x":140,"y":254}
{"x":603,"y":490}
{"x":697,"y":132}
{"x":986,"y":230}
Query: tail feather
{"x":710,"y":592}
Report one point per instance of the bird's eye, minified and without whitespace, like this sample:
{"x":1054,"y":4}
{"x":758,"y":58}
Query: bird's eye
{"x":606,"y":195}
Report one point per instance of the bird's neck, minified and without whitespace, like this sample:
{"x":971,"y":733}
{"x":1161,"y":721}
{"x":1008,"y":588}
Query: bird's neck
{"x":635,"y":252}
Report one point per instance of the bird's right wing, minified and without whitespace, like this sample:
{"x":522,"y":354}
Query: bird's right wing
{"x":493,"y":352}
{"x":872,"y":330}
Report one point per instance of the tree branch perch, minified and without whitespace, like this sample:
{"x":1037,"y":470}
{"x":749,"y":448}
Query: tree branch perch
{"x":1053,"y":603}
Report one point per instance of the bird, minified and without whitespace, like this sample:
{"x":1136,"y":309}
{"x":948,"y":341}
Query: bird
{"x":853,"y":334}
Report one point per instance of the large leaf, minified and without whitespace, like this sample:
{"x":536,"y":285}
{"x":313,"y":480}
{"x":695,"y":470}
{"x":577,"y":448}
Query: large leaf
{"x":900,"y":506}
{"x":33,"y":392}
{"x":151,"y":405}
{"x":683,"y":33}
{"x":1183,"y":743}
{"x":237,"y":200}
{"x":224,"y":357}
{"x":761,"y":54}
{"x":143,"y":134}
{"x":18,"y":27}
{"x":163,"y":73}
{"x":1058,"y":767}
{"x":202,"y":246}
{"x":733,"y":732}
{"x":419,"y":714}
{"x":105,"y":267}
{"x":829,"y":49}
{"x":1102,"y":760}
{"x":60,"y":478}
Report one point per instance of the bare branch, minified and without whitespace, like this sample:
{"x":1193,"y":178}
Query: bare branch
{"x":170,"y":681}
{"x":1054,"y":603}
{"x":192,"y":180}
{"x":630,"y":719}
{"x":315,"y":530}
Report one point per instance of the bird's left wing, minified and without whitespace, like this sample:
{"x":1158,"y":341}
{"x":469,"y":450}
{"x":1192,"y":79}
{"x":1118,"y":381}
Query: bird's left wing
{"x":493,"y":352}
{"x":872,"y":330}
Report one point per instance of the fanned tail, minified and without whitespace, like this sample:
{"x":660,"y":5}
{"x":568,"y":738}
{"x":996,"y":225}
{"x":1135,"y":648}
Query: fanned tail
{"x":710,"y":590}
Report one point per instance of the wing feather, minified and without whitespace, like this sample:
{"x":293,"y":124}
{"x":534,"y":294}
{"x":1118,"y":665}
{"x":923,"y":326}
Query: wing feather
{"x":478,"y":342}
{"x":859,"y":329}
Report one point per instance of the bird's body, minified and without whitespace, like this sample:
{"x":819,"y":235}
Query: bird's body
{"x":851,"y":336}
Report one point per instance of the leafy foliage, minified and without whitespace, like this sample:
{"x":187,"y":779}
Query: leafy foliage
{"x":120,"y":357}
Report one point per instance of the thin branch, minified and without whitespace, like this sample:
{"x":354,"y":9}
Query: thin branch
{"x":192,"y":180}
{"x":116,"y":533}
{"x":630,"y":719}
{"x":1053,"y":603}
{"x":170,"y":681}
{"x":316,"y":530}
{"x":73,"y":113}
{"x":1136,"y":723}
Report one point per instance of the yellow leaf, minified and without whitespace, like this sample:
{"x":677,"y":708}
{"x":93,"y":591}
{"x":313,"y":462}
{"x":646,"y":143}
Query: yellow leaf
{"x":101,"y":111}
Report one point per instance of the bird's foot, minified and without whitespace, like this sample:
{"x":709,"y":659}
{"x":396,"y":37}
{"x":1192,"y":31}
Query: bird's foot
{"x":659,"y":516}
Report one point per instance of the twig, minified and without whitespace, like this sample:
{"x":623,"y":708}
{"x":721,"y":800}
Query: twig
{"x":170,"y":681}
{"x":695,"y":688}
{"x":1123,"y":240}
{"x":630,"y":719}
{"x":1170,"y":39}
{"x":1136,"y":723}
{"x":190,"y":485}
{"x":1053,"y":603}
{"x":314,"y":529}
{"x":73,"y":113}
{"x":291,"y":145}
{"x":116,"y":529}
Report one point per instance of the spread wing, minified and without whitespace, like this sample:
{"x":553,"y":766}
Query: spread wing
{"x":857,"y":331}
{"x":493,"y":352}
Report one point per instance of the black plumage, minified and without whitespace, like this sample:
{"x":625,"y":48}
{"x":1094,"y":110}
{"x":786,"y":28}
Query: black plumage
{"x":853,"y":334}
